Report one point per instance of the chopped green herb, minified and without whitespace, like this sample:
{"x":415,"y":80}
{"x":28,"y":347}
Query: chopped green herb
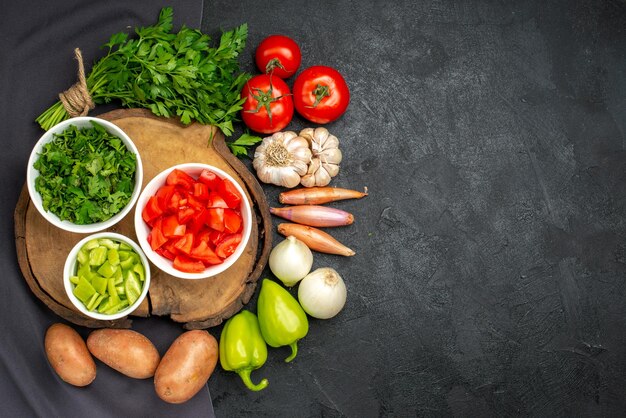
{"x":85,"y":175}
{"x":172,"y":74}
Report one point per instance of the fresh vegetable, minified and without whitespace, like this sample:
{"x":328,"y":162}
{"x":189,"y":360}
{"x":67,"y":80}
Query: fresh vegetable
{"x":281,"y":319}
{"x":290,"y":261}
{"x":68,"y":355}
{"x":124,"y":350}
{"x":239,"y":147}
{"x":172,"y":74}
{"x":242,"y":348}
{"x":278,"y":55}
{"x":322,"y":293}
{"x":326,"y":157}
{"x":109,"y":276}
{"x":186,"y":366}
{"x":321,"y":94}
{"x":314,"y":215}
{"x":318,"y":195}
{"x":282,"y":159}
{"x":185,"y":213}
{"x":85,"y":175}
{"x":267,"y":104}
{"x":315,"y":239}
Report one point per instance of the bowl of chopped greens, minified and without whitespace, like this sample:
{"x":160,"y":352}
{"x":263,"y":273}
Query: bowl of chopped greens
{"x":84,"y":175}
{"x":106,"y":276}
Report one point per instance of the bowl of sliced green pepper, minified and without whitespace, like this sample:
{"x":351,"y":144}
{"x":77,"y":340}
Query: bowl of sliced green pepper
{"x":84,"y":175}
{"x":106,"y":276}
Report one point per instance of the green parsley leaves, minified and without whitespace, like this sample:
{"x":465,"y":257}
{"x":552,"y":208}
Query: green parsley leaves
{"x":240,"y":146}
{"x":85,"y":175}
{"x":172,"y":74}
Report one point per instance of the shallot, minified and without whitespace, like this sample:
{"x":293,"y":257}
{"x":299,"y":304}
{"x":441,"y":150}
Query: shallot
{"x":318,"y":195}
{"x":315,"y":239}
{"x":314,"y":215}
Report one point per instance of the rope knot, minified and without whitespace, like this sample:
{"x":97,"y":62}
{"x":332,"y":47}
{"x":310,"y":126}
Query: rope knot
{"x":77,"y":100}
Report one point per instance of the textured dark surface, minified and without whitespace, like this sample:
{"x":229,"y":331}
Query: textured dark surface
{"x":490,"y":271}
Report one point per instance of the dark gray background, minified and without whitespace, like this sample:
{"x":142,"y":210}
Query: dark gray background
{"x":490,"y":271}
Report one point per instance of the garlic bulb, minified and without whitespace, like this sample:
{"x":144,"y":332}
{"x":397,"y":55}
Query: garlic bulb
{"x":282,"y":159}
{"x":326,"y":157}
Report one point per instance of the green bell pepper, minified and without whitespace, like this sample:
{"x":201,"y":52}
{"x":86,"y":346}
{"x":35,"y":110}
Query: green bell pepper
{"x":242,"y":348}
{"x":281,"y":318}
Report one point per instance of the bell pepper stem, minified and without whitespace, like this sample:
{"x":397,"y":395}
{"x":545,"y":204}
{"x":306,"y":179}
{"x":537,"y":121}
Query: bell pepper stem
{"x":245,"y":376}
{"x":294,"y":351}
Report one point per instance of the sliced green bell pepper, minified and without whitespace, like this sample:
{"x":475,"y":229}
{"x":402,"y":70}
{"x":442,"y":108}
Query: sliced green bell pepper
{"x":242,"y":348}
{"x":281,"y":318}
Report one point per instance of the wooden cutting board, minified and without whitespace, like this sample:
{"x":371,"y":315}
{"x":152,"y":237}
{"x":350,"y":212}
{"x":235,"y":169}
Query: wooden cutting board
{"x":162,"y":143}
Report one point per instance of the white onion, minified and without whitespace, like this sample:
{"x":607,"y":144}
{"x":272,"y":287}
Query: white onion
{"x":322,"y":293}
{"x":291,"y":260}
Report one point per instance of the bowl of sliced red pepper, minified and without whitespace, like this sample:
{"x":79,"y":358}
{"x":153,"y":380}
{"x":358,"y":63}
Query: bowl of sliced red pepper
{"x":193,"y":220}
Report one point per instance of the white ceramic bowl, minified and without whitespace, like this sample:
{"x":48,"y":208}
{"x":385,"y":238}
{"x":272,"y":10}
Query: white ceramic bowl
{"x":70,"y":269}
{"x":32,"y":174}
{"x":142,"y":229}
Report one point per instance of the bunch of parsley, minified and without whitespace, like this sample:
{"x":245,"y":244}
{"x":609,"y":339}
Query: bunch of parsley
{"x":172,"y":74}
{"x":85,"y":175}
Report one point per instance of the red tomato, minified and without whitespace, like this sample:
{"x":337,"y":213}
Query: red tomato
{"x":211,"y":179}
{"x":205,"y":254}
{"x":228,"y":245}
{"x":278,"y":55}
{"x":229,"y":192}
{"x":321,"y":94}
{"x":268,"y":107}
{"x":195,"y":223}
{"x":189,"y":265}
{"x":180,"y":178}
{"x":152,"y":210}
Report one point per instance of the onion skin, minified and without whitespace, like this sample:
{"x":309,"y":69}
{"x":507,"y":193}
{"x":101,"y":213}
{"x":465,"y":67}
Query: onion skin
{"x":318,"y":195}
{"x":315,"y":239}
{"x":314,"y":215}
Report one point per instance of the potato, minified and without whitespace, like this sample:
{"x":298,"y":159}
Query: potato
{"x":125,"y":350}
{"x":68,"y":355}
{"x":186,"y":366}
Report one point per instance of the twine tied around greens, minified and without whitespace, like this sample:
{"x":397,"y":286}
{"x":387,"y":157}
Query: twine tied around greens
{"x":77,"y":100}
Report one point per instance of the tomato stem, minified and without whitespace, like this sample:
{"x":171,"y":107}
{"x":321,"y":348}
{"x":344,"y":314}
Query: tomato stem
{"x":320,"y":92}
{"x":273,"y":64}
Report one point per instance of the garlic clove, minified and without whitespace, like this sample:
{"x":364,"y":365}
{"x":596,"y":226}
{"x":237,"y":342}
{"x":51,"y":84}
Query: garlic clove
{"x":300,"y":167}
{"x":322,"y":178}
{"x":331,"y":156}
{"x":331,"y":169}
{"x":286,"y":178}
{"x":308,"y":180}
{"x":314,"y":166}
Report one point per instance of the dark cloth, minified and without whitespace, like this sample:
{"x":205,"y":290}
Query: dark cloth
{"x":37,"y":62}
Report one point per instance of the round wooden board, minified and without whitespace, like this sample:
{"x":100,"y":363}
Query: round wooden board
{"x":162,"y":143}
